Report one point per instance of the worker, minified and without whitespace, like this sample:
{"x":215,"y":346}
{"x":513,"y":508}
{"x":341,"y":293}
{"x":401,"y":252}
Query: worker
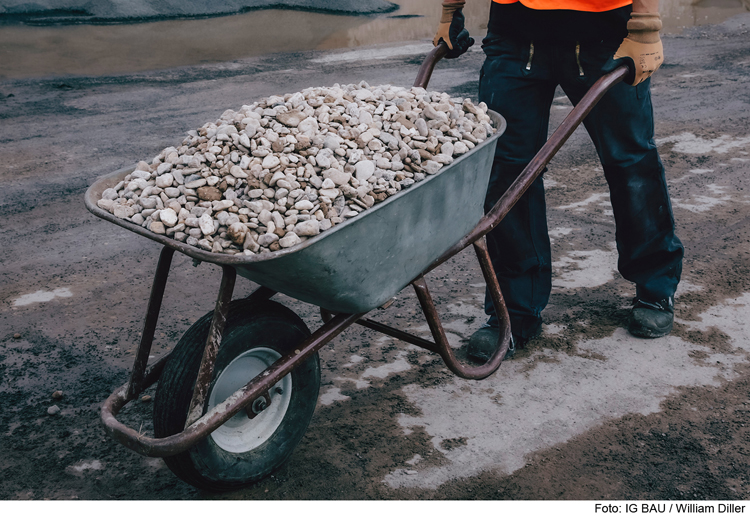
{"x":531,"y":47}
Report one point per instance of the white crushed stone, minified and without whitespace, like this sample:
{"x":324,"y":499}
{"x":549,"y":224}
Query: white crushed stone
{"x":287,"y":168}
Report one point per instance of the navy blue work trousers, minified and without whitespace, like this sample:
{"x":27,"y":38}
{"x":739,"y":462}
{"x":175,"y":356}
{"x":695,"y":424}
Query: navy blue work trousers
{"x":518,"y":80}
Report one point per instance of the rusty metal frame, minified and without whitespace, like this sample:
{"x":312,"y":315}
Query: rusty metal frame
{"x":428,"y":65}
{"x":440,"y":344}
{"x":138,"y":375}
{"x":213,"y":341}
{"x":199,"y":426}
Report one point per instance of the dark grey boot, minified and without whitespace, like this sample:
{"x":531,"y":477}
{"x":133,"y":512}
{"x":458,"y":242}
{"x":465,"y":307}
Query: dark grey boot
{"x":484,"y":342}
{"x":651,"y":319}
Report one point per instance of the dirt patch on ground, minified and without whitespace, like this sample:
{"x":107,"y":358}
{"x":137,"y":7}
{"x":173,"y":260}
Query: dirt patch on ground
{"x":689,"y":451}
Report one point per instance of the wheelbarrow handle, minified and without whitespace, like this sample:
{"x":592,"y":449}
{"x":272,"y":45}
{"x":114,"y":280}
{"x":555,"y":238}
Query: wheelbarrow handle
{"x":425,"y":71}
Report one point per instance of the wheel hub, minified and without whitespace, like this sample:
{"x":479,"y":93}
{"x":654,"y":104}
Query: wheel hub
{"x":259,"y":405}
{"x":246,"y":431}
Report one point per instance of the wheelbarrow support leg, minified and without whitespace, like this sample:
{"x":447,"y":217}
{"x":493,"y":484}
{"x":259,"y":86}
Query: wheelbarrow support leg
{"x":135,"y":386}
{"x":485,"y":264}
{"x":213,"y":342}
{"x":438,"y":333}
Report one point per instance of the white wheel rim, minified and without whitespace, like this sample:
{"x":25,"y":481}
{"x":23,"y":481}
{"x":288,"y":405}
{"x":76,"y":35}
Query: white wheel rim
{"x":240,"y":433}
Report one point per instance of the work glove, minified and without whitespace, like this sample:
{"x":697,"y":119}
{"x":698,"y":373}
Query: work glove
{"x":451,"y":30}
{"x":641,"y":50}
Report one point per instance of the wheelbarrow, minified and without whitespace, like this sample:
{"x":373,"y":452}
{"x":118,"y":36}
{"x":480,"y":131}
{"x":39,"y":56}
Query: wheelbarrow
{"x":237,"y":392}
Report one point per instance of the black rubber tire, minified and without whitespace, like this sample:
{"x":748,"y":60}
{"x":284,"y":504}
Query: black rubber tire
{"x":249,"y":325}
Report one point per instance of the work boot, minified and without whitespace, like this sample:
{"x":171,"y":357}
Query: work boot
{"x":483,"y":343}
{"x":651,"y":319}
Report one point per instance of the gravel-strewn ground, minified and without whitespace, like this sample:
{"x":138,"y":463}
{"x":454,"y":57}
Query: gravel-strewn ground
{"x":585,"y":412}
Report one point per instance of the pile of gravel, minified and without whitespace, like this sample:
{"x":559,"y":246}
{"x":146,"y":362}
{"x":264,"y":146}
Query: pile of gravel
{"x":284,"y":169}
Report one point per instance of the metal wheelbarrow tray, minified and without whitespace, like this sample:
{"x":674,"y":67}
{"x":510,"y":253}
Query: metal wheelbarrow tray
{"x":236,"y":394}
{"x":358,"y":265}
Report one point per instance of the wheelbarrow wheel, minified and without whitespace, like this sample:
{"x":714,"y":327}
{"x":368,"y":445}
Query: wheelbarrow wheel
{"x":243,"y":450}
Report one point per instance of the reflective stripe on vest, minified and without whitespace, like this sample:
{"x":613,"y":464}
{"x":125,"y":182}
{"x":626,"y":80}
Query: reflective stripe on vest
{"x":592,"y":6}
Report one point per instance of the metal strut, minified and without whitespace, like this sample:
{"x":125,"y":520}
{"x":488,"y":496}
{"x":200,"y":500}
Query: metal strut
{"x":206,"y":370}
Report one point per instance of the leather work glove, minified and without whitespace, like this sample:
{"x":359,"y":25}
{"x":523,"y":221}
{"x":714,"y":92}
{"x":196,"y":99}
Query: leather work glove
{"x":642,"y":49}
{"x":451,"y":30}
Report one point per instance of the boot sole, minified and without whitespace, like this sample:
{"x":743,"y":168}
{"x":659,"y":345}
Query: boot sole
{"x":647,"y":332}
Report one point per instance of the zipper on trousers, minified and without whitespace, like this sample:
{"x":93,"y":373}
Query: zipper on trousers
{"x":578,"y":59}
{"x":531,"y":55}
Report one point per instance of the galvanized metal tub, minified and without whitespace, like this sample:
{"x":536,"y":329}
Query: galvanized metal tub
{"x":358,"y":265}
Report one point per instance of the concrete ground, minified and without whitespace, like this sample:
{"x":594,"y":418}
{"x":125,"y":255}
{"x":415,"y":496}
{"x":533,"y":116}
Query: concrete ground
{"x":585,"y":412}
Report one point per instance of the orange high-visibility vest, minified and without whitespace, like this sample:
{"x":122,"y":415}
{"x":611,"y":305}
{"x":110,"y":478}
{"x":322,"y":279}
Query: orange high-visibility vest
{"x":592,"y":6}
